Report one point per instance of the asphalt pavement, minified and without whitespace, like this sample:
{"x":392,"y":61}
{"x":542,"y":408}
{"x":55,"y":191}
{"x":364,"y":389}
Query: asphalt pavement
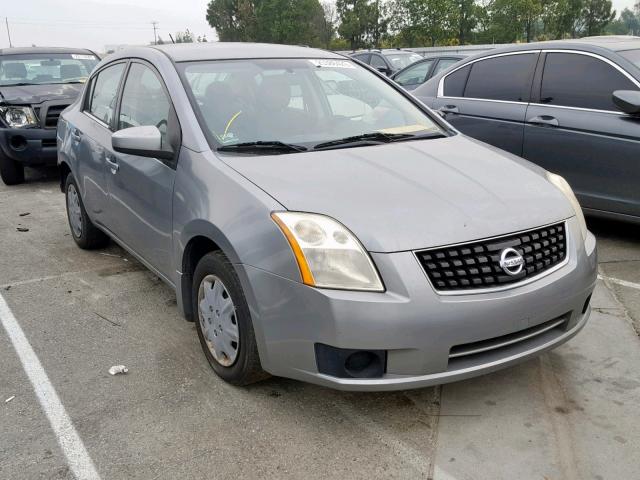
{"x":70,"y":315}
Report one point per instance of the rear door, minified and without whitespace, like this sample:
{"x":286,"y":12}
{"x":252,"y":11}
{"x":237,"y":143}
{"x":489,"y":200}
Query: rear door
{"x":141,"y":188}
{"x":91,"y":133}
{"x":574,"y":129}
{"x":487,"y":99}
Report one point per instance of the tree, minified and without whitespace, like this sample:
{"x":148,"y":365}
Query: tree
{"x":513,"y":20}
{"x":466,"y":19}
{"x":424,"y":21}
{"x":184,"y":37}
{"x":596,"y":16}
{"x":275,"y":21}
{"x":563,"y":18}
{"x":354,"y":17}
{"x":233,"y":20}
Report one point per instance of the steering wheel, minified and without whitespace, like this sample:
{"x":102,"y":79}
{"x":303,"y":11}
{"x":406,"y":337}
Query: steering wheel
{"x":161,"y":122}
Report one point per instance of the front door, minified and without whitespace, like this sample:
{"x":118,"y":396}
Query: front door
{"x":574,"y":129}
{"x":141,"y":188}
{"x":91,"y":133}
{"x":487,"y":99}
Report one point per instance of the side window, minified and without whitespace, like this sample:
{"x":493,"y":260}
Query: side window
{"x":575,"y":80}
{"x":502,"y":78}
{"x":363,"y":57}
{"x":455,"y":82}
{"x":144,"y":101}
{"x":443,"y":64}
{"x":104,"y":92}
{"x":377,"y":61}
{"x":416,"y":74}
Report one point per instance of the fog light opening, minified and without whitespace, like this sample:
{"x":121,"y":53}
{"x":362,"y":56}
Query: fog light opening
{"x":361,"y":363}
{"x":18,"y":142}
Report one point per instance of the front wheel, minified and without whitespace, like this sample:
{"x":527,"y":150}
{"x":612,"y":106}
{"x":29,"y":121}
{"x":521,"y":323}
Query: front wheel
{"x":11,"y":172}
{"x":223,"y":322}
{"x":86,"y":235}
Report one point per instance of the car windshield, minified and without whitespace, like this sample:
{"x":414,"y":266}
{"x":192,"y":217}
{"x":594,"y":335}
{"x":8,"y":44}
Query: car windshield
{"x":300,"y":102}
{"x":45,"y":68}
{"x":632,"y":55}
{"x":401,"y":60}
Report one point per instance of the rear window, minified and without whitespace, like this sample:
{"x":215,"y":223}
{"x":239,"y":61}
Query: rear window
{"x":454,"y":83}
{"x":502,"y":78}
{"x":632,"y":55}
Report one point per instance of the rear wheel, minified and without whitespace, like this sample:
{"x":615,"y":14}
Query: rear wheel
{"x":86,"y":235}
{"x":11,"y":172}
{"x":223,"y":322}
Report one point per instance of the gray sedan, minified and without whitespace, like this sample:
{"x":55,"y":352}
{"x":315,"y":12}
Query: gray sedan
{"x":572,"y":107}
{"x":317,"y":222}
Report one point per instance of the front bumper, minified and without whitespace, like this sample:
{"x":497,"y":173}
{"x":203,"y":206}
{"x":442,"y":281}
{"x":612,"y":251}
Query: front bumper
{"x":415,"y":326}
{"x":29,"y":146}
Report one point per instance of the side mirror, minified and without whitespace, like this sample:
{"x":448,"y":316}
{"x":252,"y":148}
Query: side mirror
{"x":628,"y":101}
{"x":384,"y":70}
{"x":142,"y":141}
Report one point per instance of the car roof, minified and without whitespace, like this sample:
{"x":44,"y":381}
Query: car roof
{"x":614,"y":43}
{"x":24,"y":50}
{"x":186,"y":52}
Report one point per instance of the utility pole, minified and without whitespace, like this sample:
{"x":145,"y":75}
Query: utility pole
{"x":6,"y":21}
{"x":155,"y":37}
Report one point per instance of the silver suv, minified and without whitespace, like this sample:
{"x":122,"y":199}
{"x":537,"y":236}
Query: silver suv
{"x":319,"y":223}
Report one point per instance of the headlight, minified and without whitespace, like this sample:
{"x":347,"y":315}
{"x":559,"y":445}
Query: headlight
{"x":328,"y":254}
{"x":18,"y":117}
{"x":564,"y":187}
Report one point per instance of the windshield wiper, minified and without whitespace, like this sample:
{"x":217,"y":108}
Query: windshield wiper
{"x":260,"y":146}
{"x":20,"y":84}
{"x":374,"y":138}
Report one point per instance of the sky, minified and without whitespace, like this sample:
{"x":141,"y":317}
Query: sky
{"x":96,"y":24}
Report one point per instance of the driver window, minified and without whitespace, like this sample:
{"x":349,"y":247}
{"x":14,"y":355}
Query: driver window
{"x":144,"y":101}
{"x":415,"y":75}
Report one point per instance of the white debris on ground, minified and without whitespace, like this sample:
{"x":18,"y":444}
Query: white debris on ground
{"x":9,"y":399}
{"x":116,"y":369}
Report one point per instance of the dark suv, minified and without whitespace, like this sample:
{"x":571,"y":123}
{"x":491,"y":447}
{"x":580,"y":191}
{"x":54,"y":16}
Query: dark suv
{"x":387,"y":61}
{"x":572,"y":107}
{"x":36,"y":84}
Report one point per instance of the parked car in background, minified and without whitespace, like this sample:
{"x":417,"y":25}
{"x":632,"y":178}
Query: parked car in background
{"x":36,"y":84}
{"x":387,"y":61}
{"x":310,"y":237}
{"x":417,"y":73}
{"x":571,"y":106}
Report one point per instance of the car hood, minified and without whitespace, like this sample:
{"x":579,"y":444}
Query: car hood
{"x":412,"y":195}
{"x":32,"y":94}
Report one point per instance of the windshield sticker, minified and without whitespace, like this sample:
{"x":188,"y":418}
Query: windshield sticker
{"x":332,"y":63}
{"x":406,"y":129}
{"x":77,"y":56}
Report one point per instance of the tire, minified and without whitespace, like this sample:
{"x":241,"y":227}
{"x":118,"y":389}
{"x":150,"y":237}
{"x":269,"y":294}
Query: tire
{"x":86,"y":235}
{"x":11,"y":172}
{"x":240,"y":365}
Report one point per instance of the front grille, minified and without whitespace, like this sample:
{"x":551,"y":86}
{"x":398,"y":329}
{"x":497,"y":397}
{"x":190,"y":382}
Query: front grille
{"x":52,"y":115}
{"x":476,"y":265}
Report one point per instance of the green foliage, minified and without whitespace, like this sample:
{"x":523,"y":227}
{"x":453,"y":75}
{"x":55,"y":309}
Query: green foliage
{"x":353,"y":24}
{"x":300,"y":22}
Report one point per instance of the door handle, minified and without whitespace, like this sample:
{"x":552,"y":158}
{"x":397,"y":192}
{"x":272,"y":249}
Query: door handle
{"x":113,"y":164}
{"x":449,"y":109}
{"x":544,"y":120}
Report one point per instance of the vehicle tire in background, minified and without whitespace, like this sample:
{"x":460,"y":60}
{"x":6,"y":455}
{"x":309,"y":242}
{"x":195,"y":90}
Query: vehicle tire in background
{"x":86,"y":235}
{"x":223,"y":321}
{"x":11,"y":172}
